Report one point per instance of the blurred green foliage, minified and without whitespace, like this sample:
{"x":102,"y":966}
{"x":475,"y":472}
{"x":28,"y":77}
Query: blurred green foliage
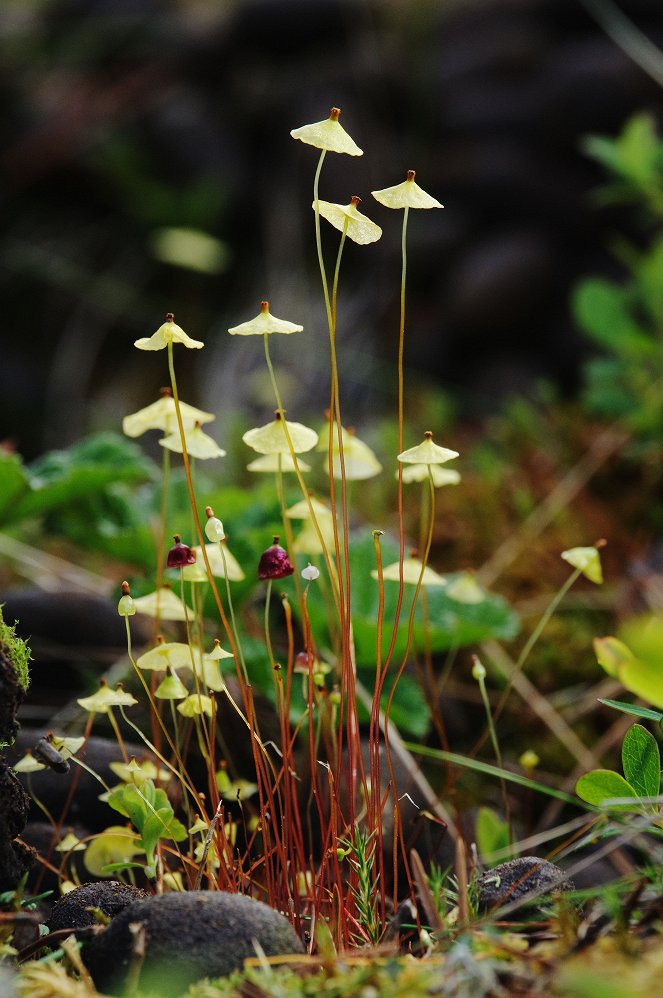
{"x":625,"y":317}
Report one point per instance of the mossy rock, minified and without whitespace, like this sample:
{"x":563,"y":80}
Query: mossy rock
{"x":73,"y":910}
{"x":14,"y":680}
{"x":528,"y":877}
{"x":187,"y":937}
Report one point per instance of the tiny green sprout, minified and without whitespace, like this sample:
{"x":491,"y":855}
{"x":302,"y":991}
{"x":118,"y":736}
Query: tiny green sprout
{"x":126,"y":607}
{"x":105,"y":698}
{"x":163,"y":604}
{"x":310,"y":573}
{"x":276,"y":462}
{"x":427,"y":452}
{"x":213,"y":527}
{"x":162,"y":416}
{"x":169,"y":332}
{"x":587,"y":560}
{"x":406,"y":195}
{"x":198,"y":444}
{"x":328,"y":135}
{"x":412,"y":567}
{"x":348,"y":219}
{"x":421,"y":473}
{"x":263,"y":323}
{"x":271,"y":438}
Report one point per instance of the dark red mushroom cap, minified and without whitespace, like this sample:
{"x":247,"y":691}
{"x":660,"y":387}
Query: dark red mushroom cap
{"x":274,"y":562}
{"x":180,"y":554}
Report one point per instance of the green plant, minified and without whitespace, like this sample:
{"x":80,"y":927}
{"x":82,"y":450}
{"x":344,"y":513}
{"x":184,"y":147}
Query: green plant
{"x":625,"y":317}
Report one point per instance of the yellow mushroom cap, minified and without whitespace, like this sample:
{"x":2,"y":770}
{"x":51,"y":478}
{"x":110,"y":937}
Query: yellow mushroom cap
{"x":271,"y":438}
{"x":347,"y":218}
{"x":406,"y":195}
{"x":328,"y":134}
{"x":264,"y":322}
{"x":427,"y":452}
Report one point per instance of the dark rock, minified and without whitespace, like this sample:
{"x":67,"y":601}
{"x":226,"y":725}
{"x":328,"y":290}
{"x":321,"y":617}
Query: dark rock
{"x":72,"y":911}
{"x":44,"y":875}
{"x":15,"y":858}
{"x":186,"y":937}
{"x":518,"y":879}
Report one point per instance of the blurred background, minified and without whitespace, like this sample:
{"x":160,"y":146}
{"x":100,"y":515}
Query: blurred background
{"x":146,"y":166}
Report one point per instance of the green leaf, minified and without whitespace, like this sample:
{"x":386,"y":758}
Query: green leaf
{"x":492,"y":833}
{"x":630,"y":708}
{"x":409,"y":710}
{"x":643,"y":676}
{"x":115,"y":867}
{"x":84,"y":470}
{"x":603,"y":785}
{"x":641,"y":761}
{"x":603,"y":309}
{"x":14,"y":483}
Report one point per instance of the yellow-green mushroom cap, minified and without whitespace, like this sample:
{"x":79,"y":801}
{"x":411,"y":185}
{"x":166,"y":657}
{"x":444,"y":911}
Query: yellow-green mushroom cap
{"x":406,"y":195}
{"x":588,"y":560}
{"x":171,"y":688}
{"x":163,"y":604}
{"x":328,"y":134}
{"x":263,"y":323}
{"x":465,"y":589}
{"x":197,"y":573}
{"x":198,"y":444}
{"x":302,"y":510}
{"x":271,"y":438}
{"x":359,"y":460}
{"x":308,"y":542}
{"x":161,"y":415}
{"x":169,"y":332}
{"x":421,"y":473}
{"x":411,"y":573}
{"x":347,"y":218}
{"x":217,"y":652}
{"x":270,"y":462}
{"x":427,"y":452}
{"x":195,"y":704}
{"x":157,"y":659}
{"x":106,"y":697}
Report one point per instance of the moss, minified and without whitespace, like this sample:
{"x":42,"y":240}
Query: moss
{"x":19,"y":652}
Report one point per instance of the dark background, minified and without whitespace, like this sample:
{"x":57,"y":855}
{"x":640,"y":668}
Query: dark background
{"x":120,"y":118}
